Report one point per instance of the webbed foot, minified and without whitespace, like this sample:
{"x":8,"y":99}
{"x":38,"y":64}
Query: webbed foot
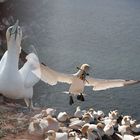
{"x":71,"y":100}
{"x":80,"y":97}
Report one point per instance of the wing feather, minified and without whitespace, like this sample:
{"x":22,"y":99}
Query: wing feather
{"x":103,"y":84}
{"x":31,"y":70}
{"x":51,"y":77}
{"x":48,"y":75}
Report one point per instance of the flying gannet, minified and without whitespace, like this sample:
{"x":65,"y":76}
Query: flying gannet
{"x":79,"y":80}
{"x":17,"y":83}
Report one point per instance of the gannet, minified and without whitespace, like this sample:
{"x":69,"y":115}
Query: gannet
{"x":62,"y":116}
{"x":109,"y":130}
{"x":113,"y":115}
{"x":48,"y":111}
{"x":17,"y":83}
{"x":88,"y":117}
{"x":72,"y":135}
{"x":124,"y":129}
{"x":52,"y":135}
{"x":126,"y":120}
{"x":79,"y":80}
{"x":135,"y":127}
{"x":79,"y":113}
{"x":52,"y":123}
{"x":77,"y":124}
{"x":93,"y":131}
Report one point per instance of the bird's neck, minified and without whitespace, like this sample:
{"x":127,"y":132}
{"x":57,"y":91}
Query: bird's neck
{"x":78,"y":109}
{"x":13,"y":57}
{"x":81,"y":74}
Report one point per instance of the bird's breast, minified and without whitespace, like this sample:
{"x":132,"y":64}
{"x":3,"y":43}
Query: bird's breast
{"x":11,"y":85}
{"x":77,"y":86}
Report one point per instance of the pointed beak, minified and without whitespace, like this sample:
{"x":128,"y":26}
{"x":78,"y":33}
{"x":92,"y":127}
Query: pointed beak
{"x":83,"y":71}
{"x":15,"y":29}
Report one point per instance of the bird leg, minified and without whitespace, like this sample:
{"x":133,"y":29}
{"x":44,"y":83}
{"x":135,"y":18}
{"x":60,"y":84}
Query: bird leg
{"x":80,"y":97}
{"x":71,"y":99}
{"x":29,"y":103}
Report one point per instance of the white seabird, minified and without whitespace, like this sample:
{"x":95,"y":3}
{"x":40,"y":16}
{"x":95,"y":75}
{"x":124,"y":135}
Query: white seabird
{"x":17,"y":83}
{"x":52,"y":135}
{"x":79,"y":113}
{"x":79,"y":80}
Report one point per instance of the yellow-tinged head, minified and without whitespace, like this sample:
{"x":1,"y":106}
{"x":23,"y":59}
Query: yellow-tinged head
{"x":14,"y":35}
{"x":85,"y":67}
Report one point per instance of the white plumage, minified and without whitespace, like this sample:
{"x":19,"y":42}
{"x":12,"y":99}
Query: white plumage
{"x":109,"y":130}
{"x":52,"y":135}
{"x":62,"y":116}
{"x":52,"y":77}
{"x":81,"y":79}
{"x":14,"y":82}
{"x":79,"y":113}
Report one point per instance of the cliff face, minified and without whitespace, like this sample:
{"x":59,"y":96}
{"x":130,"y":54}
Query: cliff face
{"x":14,"y":124}
{"x":6,"y":19}
{"x":10,"y":11}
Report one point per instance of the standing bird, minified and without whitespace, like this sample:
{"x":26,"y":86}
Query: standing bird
{"x":17,"y":83}
{"x":79,"y":80}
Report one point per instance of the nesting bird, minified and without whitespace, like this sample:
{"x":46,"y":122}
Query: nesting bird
{"x":93,"y":131}
{"x":43,"y":124}
{"x":126,"y":120}
{"x":109,"y":130}
{"x":79,"y":113}
{"x":79,"y":129}
{"x":76,"y":124}
{"x":48,"y":111}
{"x":135,"y":128}
{"x":62,"y":116}
{"x":52,"y":135}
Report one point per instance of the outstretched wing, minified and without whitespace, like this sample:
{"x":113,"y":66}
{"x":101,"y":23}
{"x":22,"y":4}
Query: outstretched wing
{"x":51,"y":77}
{"x":31,"y":70}
{"x":48,"y":75}
{"x":103,"y":84}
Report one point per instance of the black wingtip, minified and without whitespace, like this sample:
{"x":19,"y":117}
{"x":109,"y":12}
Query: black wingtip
{"x":131,"y":82}
{"x":43,"y":64}
{"x":136,"y":82}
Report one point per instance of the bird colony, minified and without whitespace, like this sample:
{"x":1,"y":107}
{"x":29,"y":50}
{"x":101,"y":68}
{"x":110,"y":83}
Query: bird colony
{"x":84,"y":125}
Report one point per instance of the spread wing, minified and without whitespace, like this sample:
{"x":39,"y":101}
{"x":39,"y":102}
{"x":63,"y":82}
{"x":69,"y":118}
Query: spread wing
{"x":51,"y":77}
{"x":48,"y":75}
{"x":31,"y":70}
{"x":103,"y":84}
